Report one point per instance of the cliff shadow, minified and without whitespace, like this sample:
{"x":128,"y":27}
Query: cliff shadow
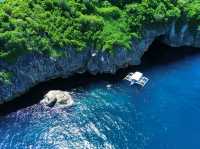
{"x":162,"y":54}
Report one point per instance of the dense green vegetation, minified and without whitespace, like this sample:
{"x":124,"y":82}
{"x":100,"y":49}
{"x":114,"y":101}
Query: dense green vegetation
{"x":47,"y":26}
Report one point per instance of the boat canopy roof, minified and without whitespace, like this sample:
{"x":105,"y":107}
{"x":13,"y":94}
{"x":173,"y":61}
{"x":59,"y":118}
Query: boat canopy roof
{"x":136,"y":76}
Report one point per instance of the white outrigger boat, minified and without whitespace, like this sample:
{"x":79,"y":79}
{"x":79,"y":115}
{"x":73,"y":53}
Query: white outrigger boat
{"x":137,"y":78}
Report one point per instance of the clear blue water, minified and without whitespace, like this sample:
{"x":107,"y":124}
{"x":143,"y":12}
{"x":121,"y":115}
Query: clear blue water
{"x":163,"y":115}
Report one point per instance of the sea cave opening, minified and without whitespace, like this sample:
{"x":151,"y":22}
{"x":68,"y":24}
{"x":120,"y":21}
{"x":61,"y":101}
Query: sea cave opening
{"x":157,"y":54}
{"x":160,"y":53}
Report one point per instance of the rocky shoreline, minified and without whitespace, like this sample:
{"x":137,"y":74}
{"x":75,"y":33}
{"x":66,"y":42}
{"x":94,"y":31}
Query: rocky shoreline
{"x":33,"y":68}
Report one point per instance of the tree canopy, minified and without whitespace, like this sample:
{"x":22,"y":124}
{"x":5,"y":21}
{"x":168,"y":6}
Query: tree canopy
{"x":47,"y":26}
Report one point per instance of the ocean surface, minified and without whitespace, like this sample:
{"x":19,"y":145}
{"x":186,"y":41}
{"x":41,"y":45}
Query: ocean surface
{"x":165,"y":114}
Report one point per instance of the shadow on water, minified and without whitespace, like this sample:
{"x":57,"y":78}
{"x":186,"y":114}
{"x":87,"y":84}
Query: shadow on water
{"x":158,"y":54}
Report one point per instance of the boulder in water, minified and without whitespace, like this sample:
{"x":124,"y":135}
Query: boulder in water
{"x":57,"y":98}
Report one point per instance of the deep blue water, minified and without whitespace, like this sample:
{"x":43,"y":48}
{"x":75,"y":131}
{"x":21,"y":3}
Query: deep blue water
{"x":163,"y":115}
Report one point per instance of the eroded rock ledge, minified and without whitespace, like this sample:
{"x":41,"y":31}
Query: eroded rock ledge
{"x":33,"y":68}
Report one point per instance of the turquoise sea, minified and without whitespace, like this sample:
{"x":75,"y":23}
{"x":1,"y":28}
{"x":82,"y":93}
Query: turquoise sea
{"x":165,"y":114}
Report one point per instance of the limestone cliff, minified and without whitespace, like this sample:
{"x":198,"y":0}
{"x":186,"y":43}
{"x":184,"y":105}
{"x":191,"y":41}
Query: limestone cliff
{"x":34,"y":68}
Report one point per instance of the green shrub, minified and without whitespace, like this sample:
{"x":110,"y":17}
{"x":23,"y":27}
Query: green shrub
{"x":5,"y":77}
{"x":110,"y":12}
{"x":90,"y":22}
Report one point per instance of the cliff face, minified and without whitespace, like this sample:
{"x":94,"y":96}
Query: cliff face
{"x":183,"y":37}
{"x":33,"y":68}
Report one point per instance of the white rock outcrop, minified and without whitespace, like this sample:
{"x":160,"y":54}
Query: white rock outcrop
{"x":57,"y":98}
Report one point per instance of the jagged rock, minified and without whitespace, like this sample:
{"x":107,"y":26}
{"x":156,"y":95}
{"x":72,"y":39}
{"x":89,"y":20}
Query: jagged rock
{"x":57,"y":98}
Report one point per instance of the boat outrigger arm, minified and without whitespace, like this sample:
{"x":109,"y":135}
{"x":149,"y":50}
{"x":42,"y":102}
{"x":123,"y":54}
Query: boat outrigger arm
{"x":136,"y":78}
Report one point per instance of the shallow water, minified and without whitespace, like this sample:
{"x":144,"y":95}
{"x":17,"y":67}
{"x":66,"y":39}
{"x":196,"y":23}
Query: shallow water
{"x":163,"y":115}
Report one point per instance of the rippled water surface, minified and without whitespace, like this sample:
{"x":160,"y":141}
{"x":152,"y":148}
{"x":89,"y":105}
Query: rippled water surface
{"x":163,"y":115}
